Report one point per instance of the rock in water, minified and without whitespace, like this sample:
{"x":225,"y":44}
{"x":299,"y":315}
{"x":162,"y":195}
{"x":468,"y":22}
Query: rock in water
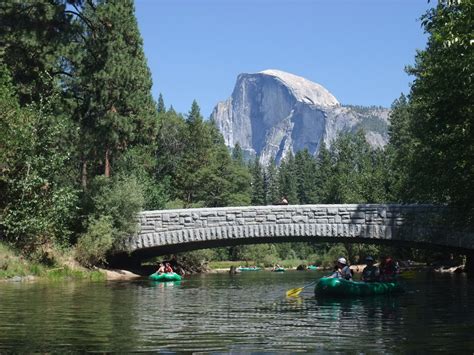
{"x":272,"y":113}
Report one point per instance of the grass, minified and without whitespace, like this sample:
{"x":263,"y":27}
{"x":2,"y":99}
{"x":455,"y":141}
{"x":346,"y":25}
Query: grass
{"x":11,"y":264}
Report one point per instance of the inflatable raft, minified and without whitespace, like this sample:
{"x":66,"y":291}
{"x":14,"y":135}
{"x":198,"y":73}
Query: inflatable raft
{"x":280,"y":269}
{"x":343,"y":288}
{"x":165,"y":277}
{"x":312,"y":267}
{"x":248,"y":268}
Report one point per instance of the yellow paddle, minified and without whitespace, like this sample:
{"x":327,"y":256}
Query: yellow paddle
{"x":410,"y":274}
{"x":294,"y":292}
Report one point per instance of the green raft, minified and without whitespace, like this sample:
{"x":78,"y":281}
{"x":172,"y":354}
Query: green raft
{"x":342,"y":288}
{"x":248,"y":268}
{"x":165,"y":277}
{"x":280,"y":269}
{"x":312,"y":267}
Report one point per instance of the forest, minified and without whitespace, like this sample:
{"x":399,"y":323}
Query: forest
{"x":84,"y":146}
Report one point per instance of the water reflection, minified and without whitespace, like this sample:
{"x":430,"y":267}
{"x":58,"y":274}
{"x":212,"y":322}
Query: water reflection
{"x":242,"y":313}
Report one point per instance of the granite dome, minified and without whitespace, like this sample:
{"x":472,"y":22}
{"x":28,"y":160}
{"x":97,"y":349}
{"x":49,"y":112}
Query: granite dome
{"x":272,"y":113}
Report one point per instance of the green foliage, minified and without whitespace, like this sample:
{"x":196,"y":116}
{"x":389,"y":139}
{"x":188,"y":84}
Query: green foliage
{"x":258,"y":188}
{"x":35,"y":35}
{"x":37,"y":205}
{"x":305,"y":171}
{"x":287,"y":182}
{"x":441,"y":108}
{"x":116,"y":110}
{"x":140,"y":163}
{"x":93,"y":245}
{"x":202,"y":170}
{"x":272,"y":194}
{"x":118,"y":201}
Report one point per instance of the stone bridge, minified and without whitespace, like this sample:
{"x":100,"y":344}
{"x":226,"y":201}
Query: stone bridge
{"x":171,"y":231}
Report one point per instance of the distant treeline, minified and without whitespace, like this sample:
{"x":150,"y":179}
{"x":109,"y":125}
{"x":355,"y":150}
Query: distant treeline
{"x":84,"y":147}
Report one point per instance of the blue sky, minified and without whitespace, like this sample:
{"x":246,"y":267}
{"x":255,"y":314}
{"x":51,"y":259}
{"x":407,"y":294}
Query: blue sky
{"x":357,"y":49}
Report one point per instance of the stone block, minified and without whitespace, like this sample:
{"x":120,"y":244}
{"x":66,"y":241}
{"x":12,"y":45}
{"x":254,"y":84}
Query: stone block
{"x":332,"y":211}
{"x":208,"y":214}
{"x":299,"y":219}
{"x":358,"y":215}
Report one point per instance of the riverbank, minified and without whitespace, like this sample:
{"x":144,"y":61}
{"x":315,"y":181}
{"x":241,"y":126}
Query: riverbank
{"x":16,"y":268}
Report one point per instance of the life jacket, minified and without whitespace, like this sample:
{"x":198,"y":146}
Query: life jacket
{"x":345,"y":273}
{"x":371,"y":273}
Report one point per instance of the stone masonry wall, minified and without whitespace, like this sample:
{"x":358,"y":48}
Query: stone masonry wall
{"x":413,"y":223}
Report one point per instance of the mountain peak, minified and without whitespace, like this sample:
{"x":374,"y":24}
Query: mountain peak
{"x":303,"y":89}
{"x":273,"y":113}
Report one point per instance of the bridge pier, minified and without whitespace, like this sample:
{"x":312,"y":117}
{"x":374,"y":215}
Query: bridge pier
{"x":469,"y":267}
{"x":125,"y":261}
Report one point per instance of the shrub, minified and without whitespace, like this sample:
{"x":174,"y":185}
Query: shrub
{"x":92,"y":246}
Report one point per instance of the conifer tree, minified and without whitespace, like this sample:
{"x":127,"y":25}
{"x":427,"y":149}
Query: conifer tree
{"x":34,"y":40}
{"x":258,"y":190}
{"x":323,"y":174}
{"x":237,"y":154}
{"x":287,"y":179}
{"x":118,"y":110}
{"x":272,"y":194}
{"x":305,"y":167}
{"x":161,"y":108}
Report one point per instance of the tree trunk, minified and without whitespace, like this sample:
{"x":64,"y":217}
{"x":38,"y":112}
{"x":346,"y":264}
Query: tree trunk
{"x":107,"y":162}
{"x":84,"y":174}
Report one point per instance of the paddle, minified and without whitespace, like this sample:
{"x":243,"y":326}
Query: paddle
{"x":410,"y":274}
{"x":294,"y":292}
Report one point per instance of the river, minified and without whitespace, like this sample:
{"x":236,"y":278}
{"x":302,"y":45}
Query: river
{"x":235,"y":313}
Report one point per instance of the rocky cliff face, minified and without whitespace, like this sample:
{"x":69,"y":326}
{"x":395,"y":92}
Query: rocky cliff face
{"x":271,"y":113}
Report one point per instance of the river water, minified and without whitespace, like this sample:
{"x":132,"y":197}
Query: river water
{"x":221,"y":313}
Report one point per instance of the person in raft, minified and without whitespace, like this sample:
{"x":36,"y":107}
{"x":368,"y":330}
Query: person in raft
{"x":371,"y":273}
{"x":168,"y":268}
{"x":342,"y":270}
{"x":161,"y":269}
{"x":389,"y":270}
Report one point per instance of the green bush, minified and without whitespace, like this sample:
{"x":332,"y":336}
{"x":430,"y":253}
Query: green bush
{"x":92,"y":247}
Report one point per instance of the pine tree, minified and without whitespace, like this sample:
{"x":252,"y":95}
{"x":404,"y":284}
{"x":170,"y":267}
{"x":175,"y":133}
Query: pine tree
{"x":323,"y":175}
{"x":258,"y":190}
{"x":400,"y":150}
{"x":161,"y":108}
{"x":35,"y":37}
{"x":305,"y":167}
{"x":287,"y":184}
{"x":238,"y":154}
{"x":118,"y":110}
{"x":272,"y":194}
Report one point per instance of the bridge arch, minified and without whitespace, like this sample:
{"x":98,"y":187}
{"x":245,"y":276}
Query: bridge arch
{"x":171,"y":231}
